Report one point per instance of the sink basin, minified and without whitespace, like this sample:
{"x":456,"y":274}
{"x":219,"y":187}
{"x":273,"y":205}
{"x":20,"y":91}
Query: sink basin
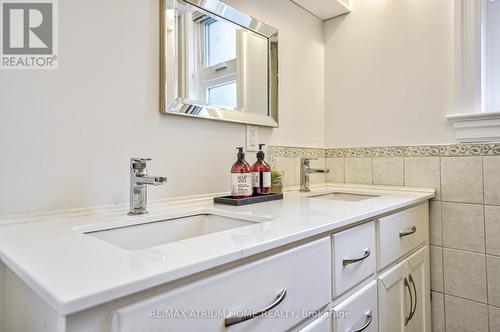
{"x":340,"y":196}
{"x":154,"y":233}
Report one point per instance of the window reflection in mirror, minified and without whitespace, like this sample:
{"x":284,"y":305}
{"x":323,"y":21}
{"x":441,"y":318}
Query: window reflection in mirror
{"x":220,"y":63}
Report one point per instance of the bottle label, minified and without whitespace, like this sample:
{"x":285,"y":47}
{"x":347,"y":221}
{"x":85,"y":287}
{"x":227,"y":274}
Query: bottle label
{"x":255,"y":179}
{"x":241,"y":184}
{"x":266,"y":179}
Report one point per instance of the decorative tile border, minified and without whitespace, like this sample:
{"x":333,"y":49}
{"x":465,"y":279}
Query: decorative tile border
{"x":295,"y":152}
{"x":391,"y":151}
{"x":336,"y":152}
{"x":451,"y":150}
{"x":491,"y":149}
{"x":421,"y":151}
{"x":457,"y":150}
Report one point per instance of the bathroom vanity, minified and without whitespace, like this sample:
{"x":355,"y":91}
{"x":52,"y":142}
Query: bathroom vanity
{"x":340,"y":258}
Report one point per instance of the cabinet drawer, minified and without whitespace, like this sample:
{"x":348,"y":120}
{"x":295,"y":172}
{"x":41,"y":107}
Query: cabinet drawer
{"x":322,"y":324}
{"x":354,"y":257}
{"x":401,"y":232}
{"x":358,"y":311}
{"x":305,"y":273}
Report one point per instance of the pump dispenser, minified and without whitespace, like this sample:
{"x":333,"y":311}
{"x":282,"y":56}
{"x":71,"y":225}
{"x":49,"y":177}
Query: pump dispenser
{"x":261,"y":174}
{"x":241,"y":177}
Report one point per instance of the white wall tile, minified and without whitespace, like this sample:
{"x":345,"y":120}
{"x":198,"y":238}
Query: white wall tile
{"x":492,"y":180}
{"x":436,"y":269}
{"x":435,"y":221}
{"x":493,"y":280}
{"x":463,"y":226}
{"x":437,"y":305}
{"x":358,"y":170}
{"x":465,"y":316}
{"x":388,"y":171}
{"x":492,"y":220}
{"x":465,"y":274}
{"x":286,"y":166}
{"x":494,"y":319}
{"x":462,"y":179}
{"x":423,"y":172}
{"x":337,"y":170}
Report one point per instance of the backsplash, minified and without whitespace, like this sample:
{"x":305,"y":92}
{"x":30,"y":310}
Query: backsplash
{"x":287,"y":161}
{"x":465,"y":216}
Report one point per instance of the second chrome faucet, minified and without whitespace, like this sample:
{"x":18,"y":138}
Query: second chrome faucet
{"x":305,"y":171}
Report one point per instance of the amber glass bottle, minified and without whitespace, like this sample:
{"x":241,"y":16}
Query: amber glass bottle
{"x":261,"y":174}
{"x":241,"y":177}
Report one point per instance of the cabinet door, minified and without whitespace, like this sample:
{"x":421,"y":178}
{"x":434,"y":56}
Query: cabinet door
{"x":394,"y":304}
{"x":418,"y":277}
{"x":358,"y":312}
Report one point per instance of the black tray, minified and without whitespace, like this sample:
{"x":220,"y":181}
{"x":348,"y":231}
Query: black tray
{"x":229,"y":200}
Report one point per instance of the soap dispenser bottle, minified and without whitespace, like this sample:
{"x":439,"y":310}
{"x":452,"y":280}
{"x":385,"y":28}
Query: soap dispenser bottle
{"x":261,"y":174}
{"x":241,"y":177}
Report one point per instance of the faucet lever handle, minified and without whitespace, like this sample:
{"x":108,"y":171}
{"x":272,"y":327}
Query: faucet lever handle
{"x":305,"y":161}
{"x":139,"y":162}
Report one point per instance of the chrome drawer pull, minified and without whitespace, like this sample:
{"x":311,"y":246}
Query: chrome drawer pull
{"x":413,"y":230}
{"x":369,"y":319}
{"x":228,"y":321}
{"x":348,"y":261}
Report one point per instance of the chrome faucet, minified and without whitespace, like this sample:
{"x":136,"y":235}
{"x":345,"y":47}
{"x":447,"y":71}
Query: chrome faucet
{"x":305,"y":170}
{"x":139,"y":180}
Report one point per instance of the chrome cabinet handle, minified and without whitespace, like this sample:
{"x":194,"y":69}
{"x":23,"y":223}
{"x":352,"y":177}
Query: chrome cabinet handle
{"x":412,"y":313}
{"x":407,"y":319}
{"x":413,"y":230}
{"x":232,"y":320}
{"x":369,"y":318}
{"x":348,"y":261}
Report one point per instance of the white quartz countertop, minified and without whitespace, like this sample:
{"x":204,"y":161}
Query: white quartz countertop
{"x":73,"y":271}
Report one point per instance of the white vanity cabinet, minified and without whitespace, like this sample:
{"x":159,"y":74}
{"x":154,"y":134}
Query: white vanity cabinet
{"x":404,"y":295}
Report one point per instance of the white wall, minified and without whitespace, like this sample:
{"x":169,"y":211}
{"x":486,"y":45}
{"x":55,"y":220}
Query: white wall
{"x":389,"y":73}
{"x":301,"y":76}
{"x":66,"y":136}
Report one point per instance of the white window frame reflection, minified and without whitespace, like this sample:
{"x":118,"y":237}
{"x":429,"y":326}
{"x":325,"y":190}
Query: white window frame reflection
{"x":221,"y":73}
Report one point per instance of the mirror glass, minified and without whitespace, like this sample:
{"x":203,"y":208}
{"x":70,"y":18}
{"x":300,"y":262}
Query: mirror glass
{"x":218,"y":63}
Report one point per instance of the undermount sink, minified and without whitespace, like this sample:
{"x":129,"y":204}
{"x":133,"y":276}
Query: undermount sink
{"x":341,"y":196}
{"x":154,"y":233}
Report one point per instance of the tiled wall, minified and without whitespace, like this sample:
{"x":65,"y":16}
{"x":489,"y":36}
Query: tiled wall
{"x":465,"y":219}
{"x":287,"y":161}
